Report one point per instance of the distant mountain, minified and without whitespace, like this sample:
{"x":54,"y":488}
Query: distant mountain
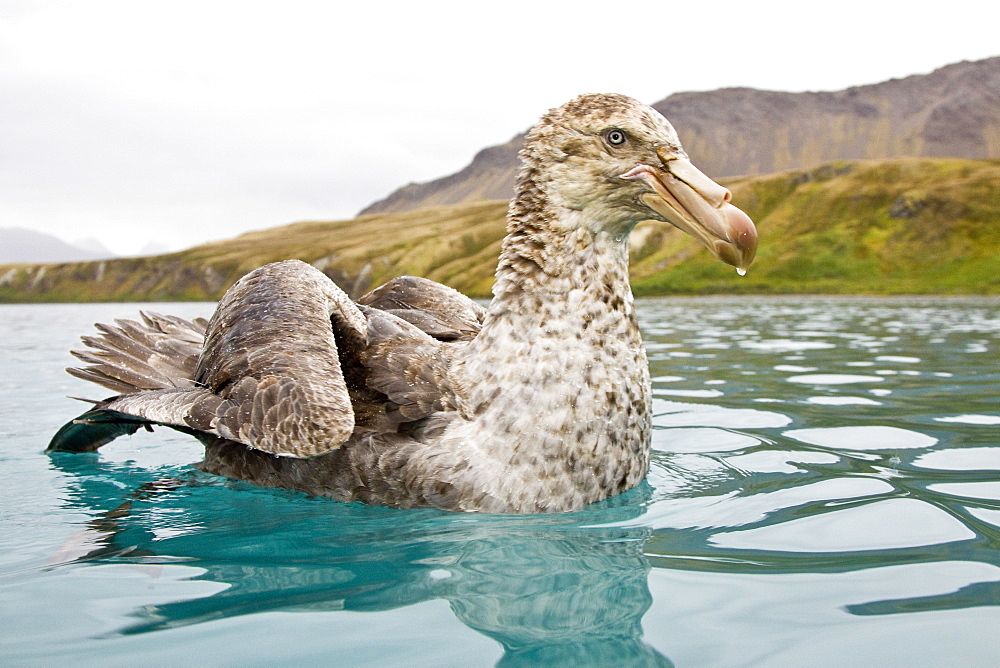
{"x":490,"y":175}
{"x":951,"y":112}
{"x":21,"y":245}
{"x":94,"y":246}
{"x":154,"y":248}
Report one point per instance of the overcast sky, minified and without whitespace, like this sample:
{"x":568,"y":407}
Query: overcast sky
{"x":178,"y":122}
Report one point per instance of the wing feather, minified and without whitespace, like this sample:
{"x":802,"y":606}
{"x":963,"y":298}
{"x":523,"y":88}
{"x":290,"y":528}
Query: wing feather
{"x":442,"y":312}
{"x":279,"y":362}
{"x":407,"y":365}
{"x":271,"y":355}
{"x":263,"y":371}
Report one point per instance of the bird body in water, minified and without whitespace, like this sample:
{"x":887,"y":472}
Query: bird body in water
{"x":415,"y":395}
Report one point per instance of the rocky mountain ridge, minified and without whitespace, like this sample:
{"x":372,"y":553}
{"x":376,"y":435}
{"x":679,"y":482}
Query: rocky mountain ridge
{"x":952,"y":112}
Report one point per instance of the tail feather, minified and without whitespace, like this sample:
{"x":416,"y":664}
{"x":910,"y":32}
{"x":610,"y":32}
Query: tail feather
{"x":134,"y":374}
{"x":98,"y":378}
{"x":158,"y":353}
{"x":192,"y":331}
{"x":131,"y":334}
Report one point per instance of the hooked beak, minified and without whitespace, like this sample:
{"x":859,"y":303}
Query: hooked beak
{"x":696,"y":204}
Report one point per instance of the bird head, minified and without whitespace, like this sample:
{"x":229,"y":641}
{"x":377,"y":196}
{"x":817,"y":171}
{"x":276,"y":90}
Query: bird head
{"x":617,"y":162}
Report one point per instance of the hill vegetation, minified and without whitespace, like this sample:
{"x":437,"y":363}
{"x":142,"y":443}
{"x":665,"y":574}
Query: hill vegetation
{"x":903,"y":226}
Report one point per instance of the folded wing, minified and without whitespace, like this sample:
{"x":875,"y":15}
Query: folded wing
{"x":264,"y":371}
{"x":288,"y":364}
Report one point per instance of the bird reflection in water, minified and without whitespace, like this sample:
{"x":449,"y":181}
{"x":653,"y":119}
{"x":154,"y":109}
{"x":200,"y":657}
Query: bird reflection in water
{"x":550,"y":589}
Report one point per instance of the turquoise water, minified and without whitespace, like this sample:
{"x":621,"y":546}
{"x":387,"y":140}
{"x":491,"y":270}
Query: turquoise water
{"x":825,"y":491}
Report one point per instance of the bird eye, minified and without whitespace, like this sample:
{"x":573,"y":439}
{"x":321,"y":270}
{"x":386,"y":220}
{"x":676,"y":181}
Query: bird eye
{"x":616,"y":137}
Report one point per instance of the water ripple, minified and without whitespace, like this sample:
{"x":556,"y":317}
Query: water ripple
{"x":885,"y":525}
{"x":863,"y":438}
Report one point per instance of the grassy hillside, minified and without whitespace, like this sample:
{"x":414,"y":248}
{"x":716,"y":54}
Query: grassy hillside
{"x":870,"y":227}
{"x":455,"y":245}
{"x":906,"y":226}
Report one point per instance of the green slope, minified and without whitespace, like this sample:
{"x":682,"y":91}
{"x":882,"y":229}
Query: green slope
{"x":901,"y":226}
{"x":906,"y":226}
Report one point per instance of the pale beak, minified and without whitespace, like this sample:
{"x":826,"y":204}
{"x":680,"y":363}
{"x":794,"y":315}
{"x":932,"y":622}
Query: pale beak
{"x":696,"y":204}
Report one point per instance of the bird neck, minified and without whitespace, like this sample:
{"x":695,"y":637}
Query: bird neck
{"x":556,"y":277}
{"x":557,"y":379}
{"x":550,"y":251}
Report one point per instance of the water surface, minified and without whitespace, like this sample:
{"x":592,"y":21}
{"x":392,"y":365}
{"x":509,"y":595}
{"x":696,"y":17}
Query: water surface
{"x":825,"y":491}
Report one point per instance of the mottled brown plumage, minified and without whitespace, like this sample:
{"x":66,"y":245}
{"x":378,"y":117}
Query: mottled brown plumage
{"x":417,"y":396}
